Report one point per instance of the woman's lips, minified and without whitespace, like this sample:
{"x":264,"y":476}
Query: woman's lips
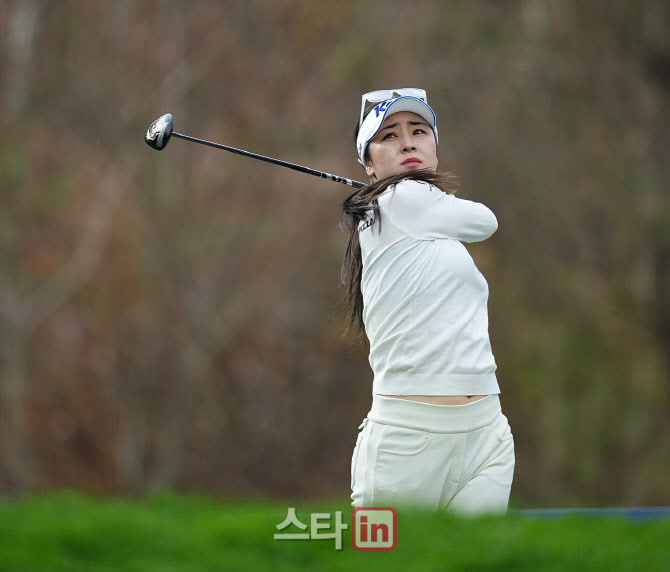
{"x":411,"y":162}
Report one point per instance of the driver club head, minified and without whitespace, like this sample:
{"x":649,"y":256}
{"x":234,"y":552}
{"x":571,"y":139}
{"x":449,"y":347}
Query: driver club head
{"x":159,"y":132}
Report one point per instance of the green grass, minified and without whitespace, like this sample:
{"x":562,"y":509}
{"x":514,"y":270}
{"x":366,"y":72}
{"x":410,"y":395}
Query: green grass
{"x":169,"y":532}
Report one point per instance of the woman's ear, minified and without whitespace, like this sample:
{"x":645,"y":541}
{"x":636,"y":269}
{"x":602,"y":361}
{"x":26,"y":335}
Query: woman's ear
{"x":369,"y":170}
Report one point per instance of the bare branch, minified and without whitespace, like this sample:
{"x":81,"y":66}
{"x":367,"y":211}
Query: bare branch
{"x":77,"y":271}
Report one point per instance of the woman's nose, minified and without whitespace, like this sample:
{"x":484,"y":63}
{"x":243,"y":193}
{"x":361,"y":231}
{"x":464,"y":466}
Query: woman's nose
{"x":407,"y":144}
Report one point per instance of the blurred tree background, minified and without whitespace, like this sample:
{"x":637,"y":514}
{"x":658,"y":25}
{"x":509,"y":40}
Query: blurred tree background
{"x":175,"y":319}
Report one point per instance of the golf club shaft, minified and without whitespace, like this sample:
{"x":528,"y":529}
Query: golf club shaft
{"x":300,"y":168}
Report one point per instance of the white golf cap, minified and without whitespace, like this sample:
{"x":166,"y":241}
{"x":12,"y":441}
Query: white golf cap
{"x":406,"y":99}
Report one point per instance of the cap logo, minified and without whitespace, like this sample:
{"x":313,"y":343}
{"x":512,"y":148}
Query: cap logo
{"x":381,"y":108}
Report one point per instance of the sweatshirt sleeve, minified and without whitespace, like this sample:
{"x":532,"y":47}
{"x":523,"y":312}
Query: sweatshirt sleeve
{"x":427,"y":213}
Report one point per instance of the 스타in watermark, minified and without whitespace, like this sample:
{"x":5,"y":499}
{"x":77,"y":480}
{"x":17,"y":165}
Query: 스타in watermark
{"x":372,"y":528}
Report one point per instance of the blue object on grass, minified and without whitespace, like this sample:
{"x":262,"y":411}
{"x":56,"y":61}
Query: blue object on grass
{"x":632,"y":513}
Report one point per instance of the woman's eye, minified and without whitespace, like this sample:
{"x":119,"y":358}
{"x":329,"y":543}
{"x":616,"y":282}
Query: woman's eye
{"x":388,"y":135}
{"x":418,"y":131}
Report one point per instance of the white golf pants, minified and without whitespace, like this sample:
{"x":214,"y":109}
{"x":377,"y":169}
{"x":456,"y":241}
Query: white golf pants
{"x":456,"y":458}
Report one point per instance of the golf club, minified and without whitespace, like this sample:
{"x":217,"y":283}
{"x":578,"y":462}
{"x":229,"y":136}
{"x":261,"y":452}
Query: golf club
{"x":159,"y":132}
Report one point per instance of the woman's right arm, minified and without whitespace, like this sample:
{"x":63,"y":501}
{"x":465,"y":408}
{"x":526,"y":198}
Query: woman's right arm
{"x":428,"y":213}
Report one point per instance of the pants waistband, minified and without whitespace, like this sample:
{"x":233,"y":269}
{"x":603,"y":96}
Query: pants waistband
{"x":435,"y":418}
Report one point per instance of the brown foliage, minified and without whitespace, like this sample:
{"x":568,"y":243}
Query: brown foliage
{"x":174,"y":319}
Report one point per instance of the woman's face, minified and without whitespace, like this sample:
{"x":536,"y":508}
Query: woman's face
{"x":403,"y":143}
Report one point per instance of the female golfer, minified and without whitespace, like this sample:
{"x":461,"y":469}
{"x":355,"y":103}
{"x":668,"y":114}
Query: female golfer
{"x":435,"y":436}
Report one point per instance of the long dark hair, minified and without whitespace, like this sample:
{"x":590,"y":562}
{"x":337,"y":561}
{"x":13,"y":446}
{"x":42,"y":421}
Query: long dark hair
{"x":354,"y":210}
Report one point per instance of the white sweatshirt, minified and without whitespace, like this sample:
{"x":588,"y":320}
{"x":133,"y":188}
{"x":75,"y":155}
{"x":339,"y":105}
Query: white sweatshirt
{"x":424,"y":300}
